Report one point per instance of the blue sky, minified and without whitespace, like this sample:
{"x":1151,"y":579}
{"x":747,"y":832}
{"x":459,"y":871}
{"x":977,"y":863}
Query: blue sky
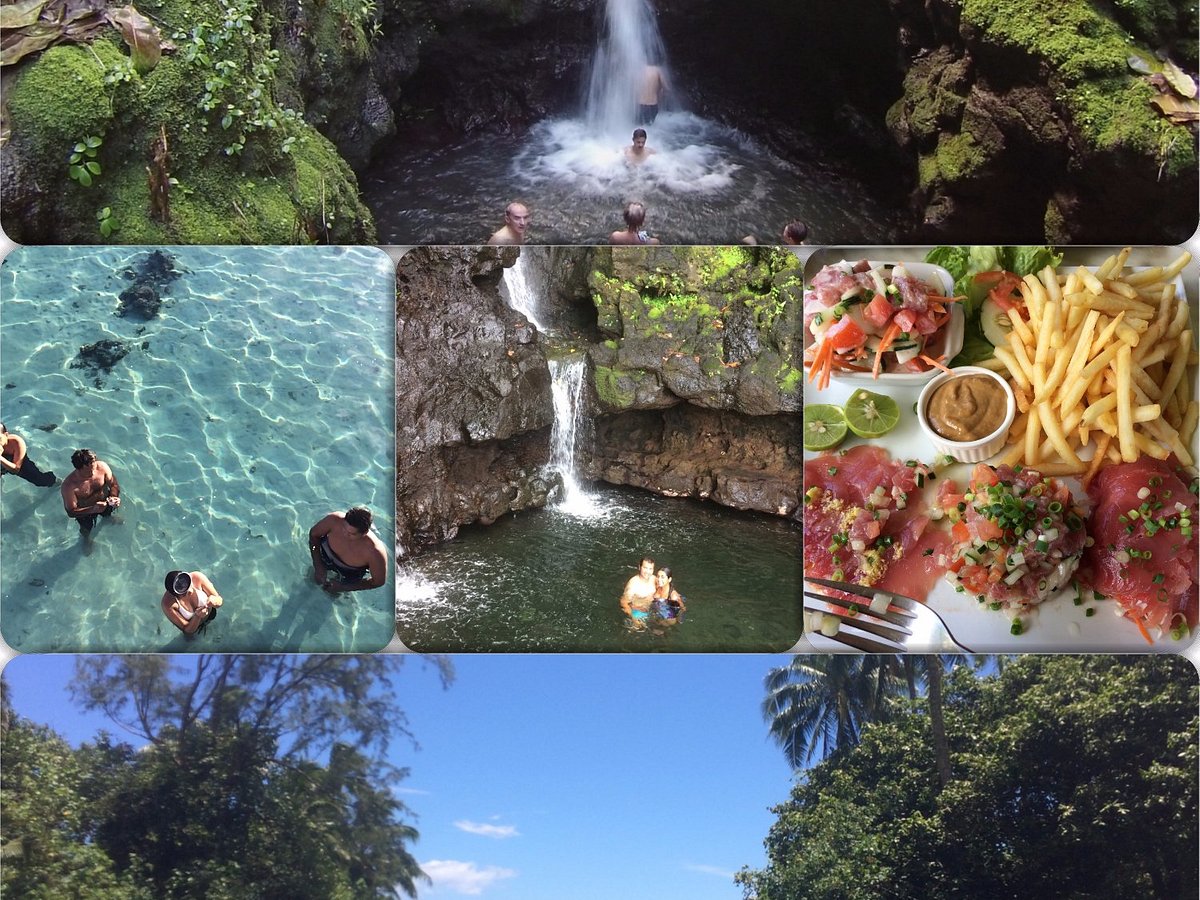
{"x":543,"y":777}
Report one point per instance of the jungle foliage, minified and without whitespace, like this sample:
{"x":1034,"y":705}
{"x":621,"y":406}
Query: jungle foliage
{"x":252,"y":777}
{"x":1071,"y":777}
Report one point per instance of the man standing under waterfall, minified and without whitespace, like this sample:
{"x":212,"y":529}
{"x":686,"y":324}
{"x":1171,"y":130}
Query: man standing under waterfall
{"x":639,"y":591}
{"x":652,"y":86}
{"x":516,"y":221}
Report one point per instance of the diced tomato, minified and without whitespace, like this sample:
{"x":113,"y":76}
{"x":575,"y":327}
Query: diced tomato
{"x":957,"y":564}
{"x":960,"y":532}
{"x":974,"y":579}
{"x":879,"y":311}
{"x":984,"y":476}
{"x":906,"y":318}
{"x":845,"y":334}
{"x":988,"y":530}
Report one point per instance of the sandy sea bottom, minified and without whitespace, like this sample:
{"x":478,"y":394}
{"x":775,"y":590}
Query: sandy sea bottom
{"x":259,"y":399}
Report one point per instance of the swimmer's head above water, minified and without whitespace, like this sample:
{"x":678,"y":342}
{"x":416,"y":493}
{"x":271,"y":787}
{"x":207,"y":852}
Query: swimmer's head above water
{"x":178,"y":583}
{"x":359,"y":518}
{"x":83,"y":458}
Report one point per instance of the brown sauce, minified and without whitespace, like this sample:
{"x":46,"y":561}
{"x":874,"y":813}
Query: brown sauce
{"x":967,"y":408}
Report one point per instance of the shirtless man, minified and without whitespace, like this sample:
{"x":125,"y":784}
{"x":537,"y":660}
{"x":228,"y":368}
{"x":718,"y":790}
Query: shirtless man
{"x":343,"y":546}
{"x":635,"y":216}
{"x":14,"y":460}
{"x":516,"y":221}
{"x":652,"y":86}
{"x":190,"y":600}
{"x":90,"y":491}
{"x":638,"y":152}
{"x":795,"y":233}
{"x":639,"y":591}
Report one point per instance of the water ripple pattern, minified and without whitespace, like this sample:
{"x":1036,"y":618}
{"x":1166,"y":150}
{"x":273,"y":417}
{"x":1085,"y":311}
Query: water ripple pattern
{"x":549,"y":581}
{"x":258,"y":400}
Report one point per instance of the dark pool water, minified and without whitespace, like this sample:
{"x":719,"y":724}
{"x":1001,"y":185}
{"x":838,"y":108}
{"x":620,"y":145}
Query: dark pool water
{"x":547,"y":581}
{"x":707,"y":184}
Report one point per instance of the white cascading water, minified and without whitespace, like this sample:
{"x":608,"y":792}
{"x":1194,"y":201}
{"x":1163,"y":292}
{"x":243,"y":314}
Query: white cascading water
{"x":629,"y":41}
{"x":566,"y":385}
{"x":521,"y":295}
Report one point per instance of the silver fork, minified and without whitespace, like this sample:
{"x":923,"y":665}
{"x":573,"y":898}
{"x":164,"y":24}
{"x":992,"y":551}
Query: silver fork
{"x":906,"y":623}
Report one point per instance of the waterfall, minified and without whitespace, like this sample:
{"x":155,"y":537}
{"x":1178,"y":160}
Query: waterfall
{"x":566,"y":385}
{"x":521,"y":295}
{"x":629,"y":41}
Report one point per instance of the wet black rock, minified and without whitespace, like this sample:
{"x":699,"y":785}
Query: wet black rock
{"x":100,"y":357}
{"x":140,"y":301}
{"x":473,"y":406}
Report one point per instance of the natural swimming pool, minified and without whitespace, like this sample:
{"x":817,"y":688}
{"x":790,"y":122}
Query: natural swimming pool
{"x":258,"y":399}
{"x":546,"y":580}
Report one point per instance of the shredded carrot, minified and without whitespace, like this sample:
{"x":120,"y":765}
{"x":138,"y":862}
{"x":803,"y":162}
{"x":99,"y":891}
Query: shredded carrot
{"x":1142,"y":629}
{"x":822,"y":349}
{"x":934,"y":363}
{"x":889,"y":335}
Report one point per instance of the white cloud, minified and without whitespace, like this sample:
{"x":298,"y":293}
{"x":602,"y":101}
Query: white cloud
{"x":464,"y":877}
{"x":492,"y":831}
{"x":414,"y":791}
{"x":709,"y":870}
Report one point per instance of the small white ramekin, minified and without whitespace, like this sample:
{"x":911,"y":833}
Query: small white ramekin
{"x":967,"y":451}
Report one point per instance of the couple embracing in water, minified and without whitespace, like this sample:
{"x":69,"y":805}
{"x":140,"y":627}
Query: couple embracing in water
{"x":650,"y":599}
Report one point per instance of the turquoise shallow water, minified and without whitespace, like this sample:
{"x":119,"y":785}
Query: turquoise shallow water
{"x":258,"y":400}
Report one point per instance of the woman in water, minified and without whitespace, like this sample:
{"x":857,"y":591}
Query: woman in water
{"x":668,"y":605}
{"x":190,"y":600}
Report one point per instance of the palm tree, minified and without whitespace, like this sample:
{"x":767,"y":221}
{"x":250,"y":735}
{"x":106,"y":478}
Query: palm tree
{"x":817,"y":705}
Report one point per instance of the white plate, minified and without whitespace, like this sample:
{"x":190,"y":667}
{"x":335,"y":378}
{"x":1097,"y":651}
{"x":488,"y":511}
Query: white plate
{"x":941,"y":281}
{"x":1055,"y":625}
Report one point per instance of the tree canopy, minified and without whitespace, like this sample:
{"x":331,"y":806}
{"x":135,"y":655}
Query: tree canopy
{"x":255,"y":776}
{"x":1073,"y":777}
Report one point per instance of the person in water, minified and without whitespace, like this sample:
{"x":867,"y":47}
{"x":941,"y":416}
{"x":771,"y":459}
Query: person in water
{"x":635,"y":217}
{"x":90,"y":491}
{"x":14,"y":459}
{"x":795,"y":233}
{"x":637,"y":152}
{"x":516,"y":222}
{"x":651,"y":87}
{"x":639,"y":592}
{"x":668,"y":605}
{"x":343,"y":546}
{"x":190,"y":601}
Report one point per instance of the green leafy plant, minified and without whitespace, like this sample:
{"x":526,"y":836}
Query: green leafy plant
{"x":237,"y":64}
{"x":82,"y":165}
{"x":108,"y":224}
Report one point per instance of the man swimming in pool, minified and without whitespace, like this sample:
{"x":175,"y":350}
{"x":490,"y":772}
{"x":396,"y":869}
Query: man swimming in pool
{"x":343,"y":546}
{"x":639,"y":591}
{"x":90,"y":491}
{"x":637,"y":152}
{"x":516,"y":223}
{"x":14,"y":459}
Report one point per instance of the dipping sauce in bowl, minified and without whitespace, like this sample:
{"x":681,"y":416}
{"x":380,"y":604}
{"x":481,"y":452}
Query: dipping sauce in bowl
{"x":967,"y":408}
{"x":966,"y":413}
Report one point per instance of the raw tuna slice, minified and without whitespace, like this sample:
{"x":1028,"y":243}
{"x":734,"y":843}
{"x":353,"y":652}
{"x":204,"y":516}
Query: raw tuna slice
{"x":1145,"y":549}
{"x":865,"y":523}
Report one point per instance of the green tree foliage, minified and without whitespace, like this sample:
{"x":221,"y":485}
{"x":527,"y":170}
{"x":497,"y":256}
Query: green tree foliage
{"x":256,"y":777}
{"x":1073,"y":777}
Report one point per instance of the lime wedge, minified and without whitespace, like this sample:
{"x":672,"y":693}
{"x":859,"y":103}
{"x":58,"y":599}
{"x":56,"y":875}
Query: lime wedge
{"x":871,"y":415}
{"x":824,"y":426}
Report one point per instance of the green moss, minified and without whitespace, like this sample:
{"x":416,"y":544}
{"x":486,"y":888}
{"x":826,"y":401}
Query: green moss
{"x":789,"y":379}
{"x":613,"y":387}
{"x":714,"y":263}
{"x":957,"y":156}
{"x":1071,"y":35}
{"x":1115,"y":114}
{"x":59,"y":98}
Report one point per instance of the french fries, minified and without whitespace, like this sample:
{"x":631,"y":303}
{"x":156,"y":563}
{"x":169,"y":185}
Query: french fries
{"x":1101,"y":368}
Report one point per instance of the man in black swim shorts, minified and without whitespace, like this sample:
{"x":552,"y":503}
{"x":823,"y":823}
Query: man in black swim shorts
{"x":343,"y":546}
{"x":90,"y":491}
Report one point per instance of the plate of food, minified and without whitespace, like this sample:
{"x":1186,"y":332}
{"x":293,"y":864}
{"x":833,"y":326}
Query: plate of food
{"x":1042,"y":498}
